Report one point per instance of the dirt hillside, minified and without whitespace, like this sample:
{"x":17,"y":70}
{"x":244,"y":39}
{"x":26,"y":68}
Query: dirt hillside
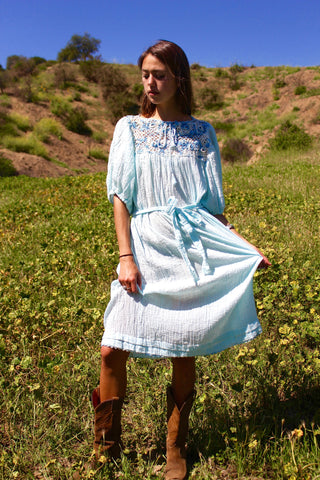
{"x":244,"y":103}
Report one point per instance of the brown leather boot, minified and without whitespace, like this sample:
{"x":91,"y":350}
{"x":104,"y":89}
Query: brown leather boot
{"x":178,"y":423}
{"x":107,"y":425}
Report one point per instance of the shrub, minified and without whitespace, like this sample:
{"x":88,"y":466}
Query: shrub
{"x":120,"y":104}
{"x":291,"y":136}
{"x":195,"y":66}
{"x":3,"y":80}
{"x":23,"y":123}
{"x":225,"y":127}
{"x":236,"y":68}
{"x":46,"y":127}
{"x":28,"y":144}
{"x":99,"y":137}
{"x":6,"y":168}
{"x":300,"y":89}
{"x":91,"y":70}
{"x":97,"y":153}
{"x":138,"y":90}
{"x":235,"y":150}
{"x":279,"y":83}
{"x":5,"y":101}
{"x":210,"y":99}
{"x":220,"y":73}
{"x":112,"y":81}
{"x":316,"y":119}
{"x":76,"y":121}
{"x":73,"y":118}
{"x":63,"y":75}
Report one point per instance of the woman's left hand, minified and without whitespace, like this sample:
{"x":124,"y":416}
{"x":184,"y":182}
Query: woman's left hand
{"x":264,"y":262}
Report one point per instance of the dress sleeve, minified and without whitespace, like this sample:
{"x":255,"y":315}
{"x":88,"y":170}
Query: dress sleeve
{"x":121,"y":177}
{"x":213,"y":200}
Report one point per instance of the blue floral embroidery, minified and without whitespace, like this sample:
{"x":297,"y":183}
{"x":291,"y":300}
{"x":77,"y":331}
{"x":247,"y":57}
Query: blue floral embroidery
{"x":181,"y":137}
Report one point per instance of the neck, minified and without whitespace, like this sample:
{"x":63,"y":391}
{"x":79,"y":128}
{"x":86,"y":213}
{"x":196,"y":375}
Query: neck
{"x":170,"y":113}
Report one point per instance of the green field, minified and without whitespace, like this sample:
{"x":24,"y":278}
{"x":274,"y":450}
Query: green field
{"x":257,"y":411}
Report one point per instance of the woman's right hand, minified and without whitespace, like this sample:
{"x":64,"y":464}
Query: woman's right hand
{"x":129,"y":275}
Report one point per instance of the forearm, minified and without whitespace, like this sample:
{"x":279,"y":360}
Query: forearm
{"x":122,"y":225}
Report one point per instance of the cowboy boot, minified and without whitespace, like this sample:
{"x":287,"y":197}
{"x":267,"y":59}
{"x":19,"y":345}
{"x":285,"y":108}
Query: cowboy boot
{"x":178,"y":420}
{"x":107,"y":425}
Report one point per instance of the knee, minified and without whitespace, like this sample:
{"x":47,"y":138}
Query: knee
{"x":111,"y":356}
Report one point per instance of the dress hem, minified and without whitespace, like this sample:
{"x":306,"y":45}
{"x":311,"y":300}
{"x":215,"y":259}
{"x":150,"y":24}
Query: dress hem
{"x":146,"y":351}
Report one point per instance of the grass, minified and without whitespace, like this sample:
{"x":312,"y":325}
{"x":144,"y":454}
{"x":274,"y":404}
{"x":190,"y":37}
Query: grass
{"x":28,"y":144}
{"x":46,"y":127}
{"x":257,"y":412}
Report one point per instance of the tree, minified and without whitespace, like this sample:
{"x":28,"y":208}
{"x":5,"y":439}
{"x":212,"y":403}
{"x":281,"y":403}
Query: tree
{"x":79,"y":47}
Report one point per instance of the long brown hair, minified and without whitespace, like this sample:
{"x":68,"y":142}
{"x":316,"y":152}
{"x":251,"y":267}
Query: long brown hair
{"x":173,"y":57}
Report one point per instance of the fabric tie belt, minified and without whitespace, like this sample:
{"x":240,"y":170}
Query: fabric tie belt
{"x":183,"y":221}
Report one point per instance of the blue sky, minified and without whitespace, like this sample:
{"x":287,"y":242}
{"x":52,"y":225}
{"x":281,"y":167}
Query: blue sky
{"x":212,"y":32}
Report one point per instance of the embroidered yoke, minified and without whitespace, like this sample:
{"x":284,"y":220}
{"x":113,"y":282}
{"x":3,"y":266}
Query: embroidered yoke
{"x":196,"y":296}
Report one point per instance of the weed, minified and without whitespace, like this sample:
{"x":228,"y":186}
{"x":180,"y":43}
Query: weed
{"x":6,"y":168}
{"x":235,"y":150}
{"x":5,"y":101}
{"x":99,"y":137}
{"x":300,"y":89}
{"x":290,"y":136}
{"x":46,"y":127}
{"x":97,"y":153}
{"x":28,"y":144}
{"x":209,"y":98}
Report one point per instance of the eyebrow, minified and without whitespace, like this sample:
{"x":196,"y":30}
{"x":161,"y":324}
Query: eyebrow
{"x":154,"y":71}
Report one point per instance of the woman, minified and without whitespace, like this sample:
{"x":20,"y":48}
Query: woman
{"x":185,"y":274}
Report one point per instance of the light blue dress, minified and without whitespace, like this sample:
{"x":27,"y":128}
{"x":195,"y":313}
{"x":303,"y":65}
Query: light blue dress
{"x":196,"y":296}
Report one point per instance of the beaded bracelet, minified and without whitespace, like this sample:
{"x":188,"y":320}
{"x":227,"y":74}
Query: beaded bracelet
{"x":126,"y":255}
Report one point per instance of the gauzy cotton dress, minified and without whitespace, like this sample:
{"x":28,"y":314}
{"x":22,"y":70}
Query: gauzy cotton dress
{"x":196,"y":296}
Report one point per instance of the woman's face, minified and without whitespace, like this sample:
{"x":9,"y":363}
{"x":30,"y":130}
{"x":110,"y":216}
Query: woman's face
{"x":159,"y":84}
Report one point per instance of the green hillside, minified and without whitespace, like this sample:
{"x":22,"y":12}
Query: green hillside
{"x":58,"y":118}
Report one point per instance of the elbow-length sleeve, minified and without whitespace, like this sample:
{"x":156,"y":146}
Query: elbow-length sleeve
{"x":121,"y":177}
{"x":213,"y":200}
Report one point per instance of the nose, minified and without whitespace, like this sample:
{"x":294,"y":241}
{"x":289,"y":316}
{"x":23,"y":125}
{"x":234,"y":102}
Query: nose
{"x":151,"y":79}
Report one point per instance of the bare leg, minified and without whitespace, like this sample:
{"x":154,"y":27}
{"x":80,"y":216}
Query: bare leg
{"x":113,"y":376}
{"x":183,"y":378}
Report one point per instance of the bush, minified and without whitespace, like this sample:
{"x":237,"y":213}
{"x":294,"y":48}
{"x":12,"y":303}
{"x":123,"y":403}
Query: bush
{"x":220,"y":73}
{"x":76,"y":121}
{"x":225,"y":127}
{"x":91,"y":70}
{"x":279,"y":83}
{"x":235,"y":150}
{"x":300,"y":90}
{"x":210,"y":99}
{"x":195,"y":66}
{"x":138,"y":90}
{"x":99,"y":137}
{"x":236,"y":68}
{"x":97,"y":153}
{"x":28,"y":144}
{"x":112,"y":81}
{"x":291,"y":136}
{"x":46,"y":127}
{"x":6,"y":168}
{"x":64,"y":75}
{"x":5,"y":101}
{"x":73,"y":118}
{"x":23,"y":123}
{"x":120,"y":104}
